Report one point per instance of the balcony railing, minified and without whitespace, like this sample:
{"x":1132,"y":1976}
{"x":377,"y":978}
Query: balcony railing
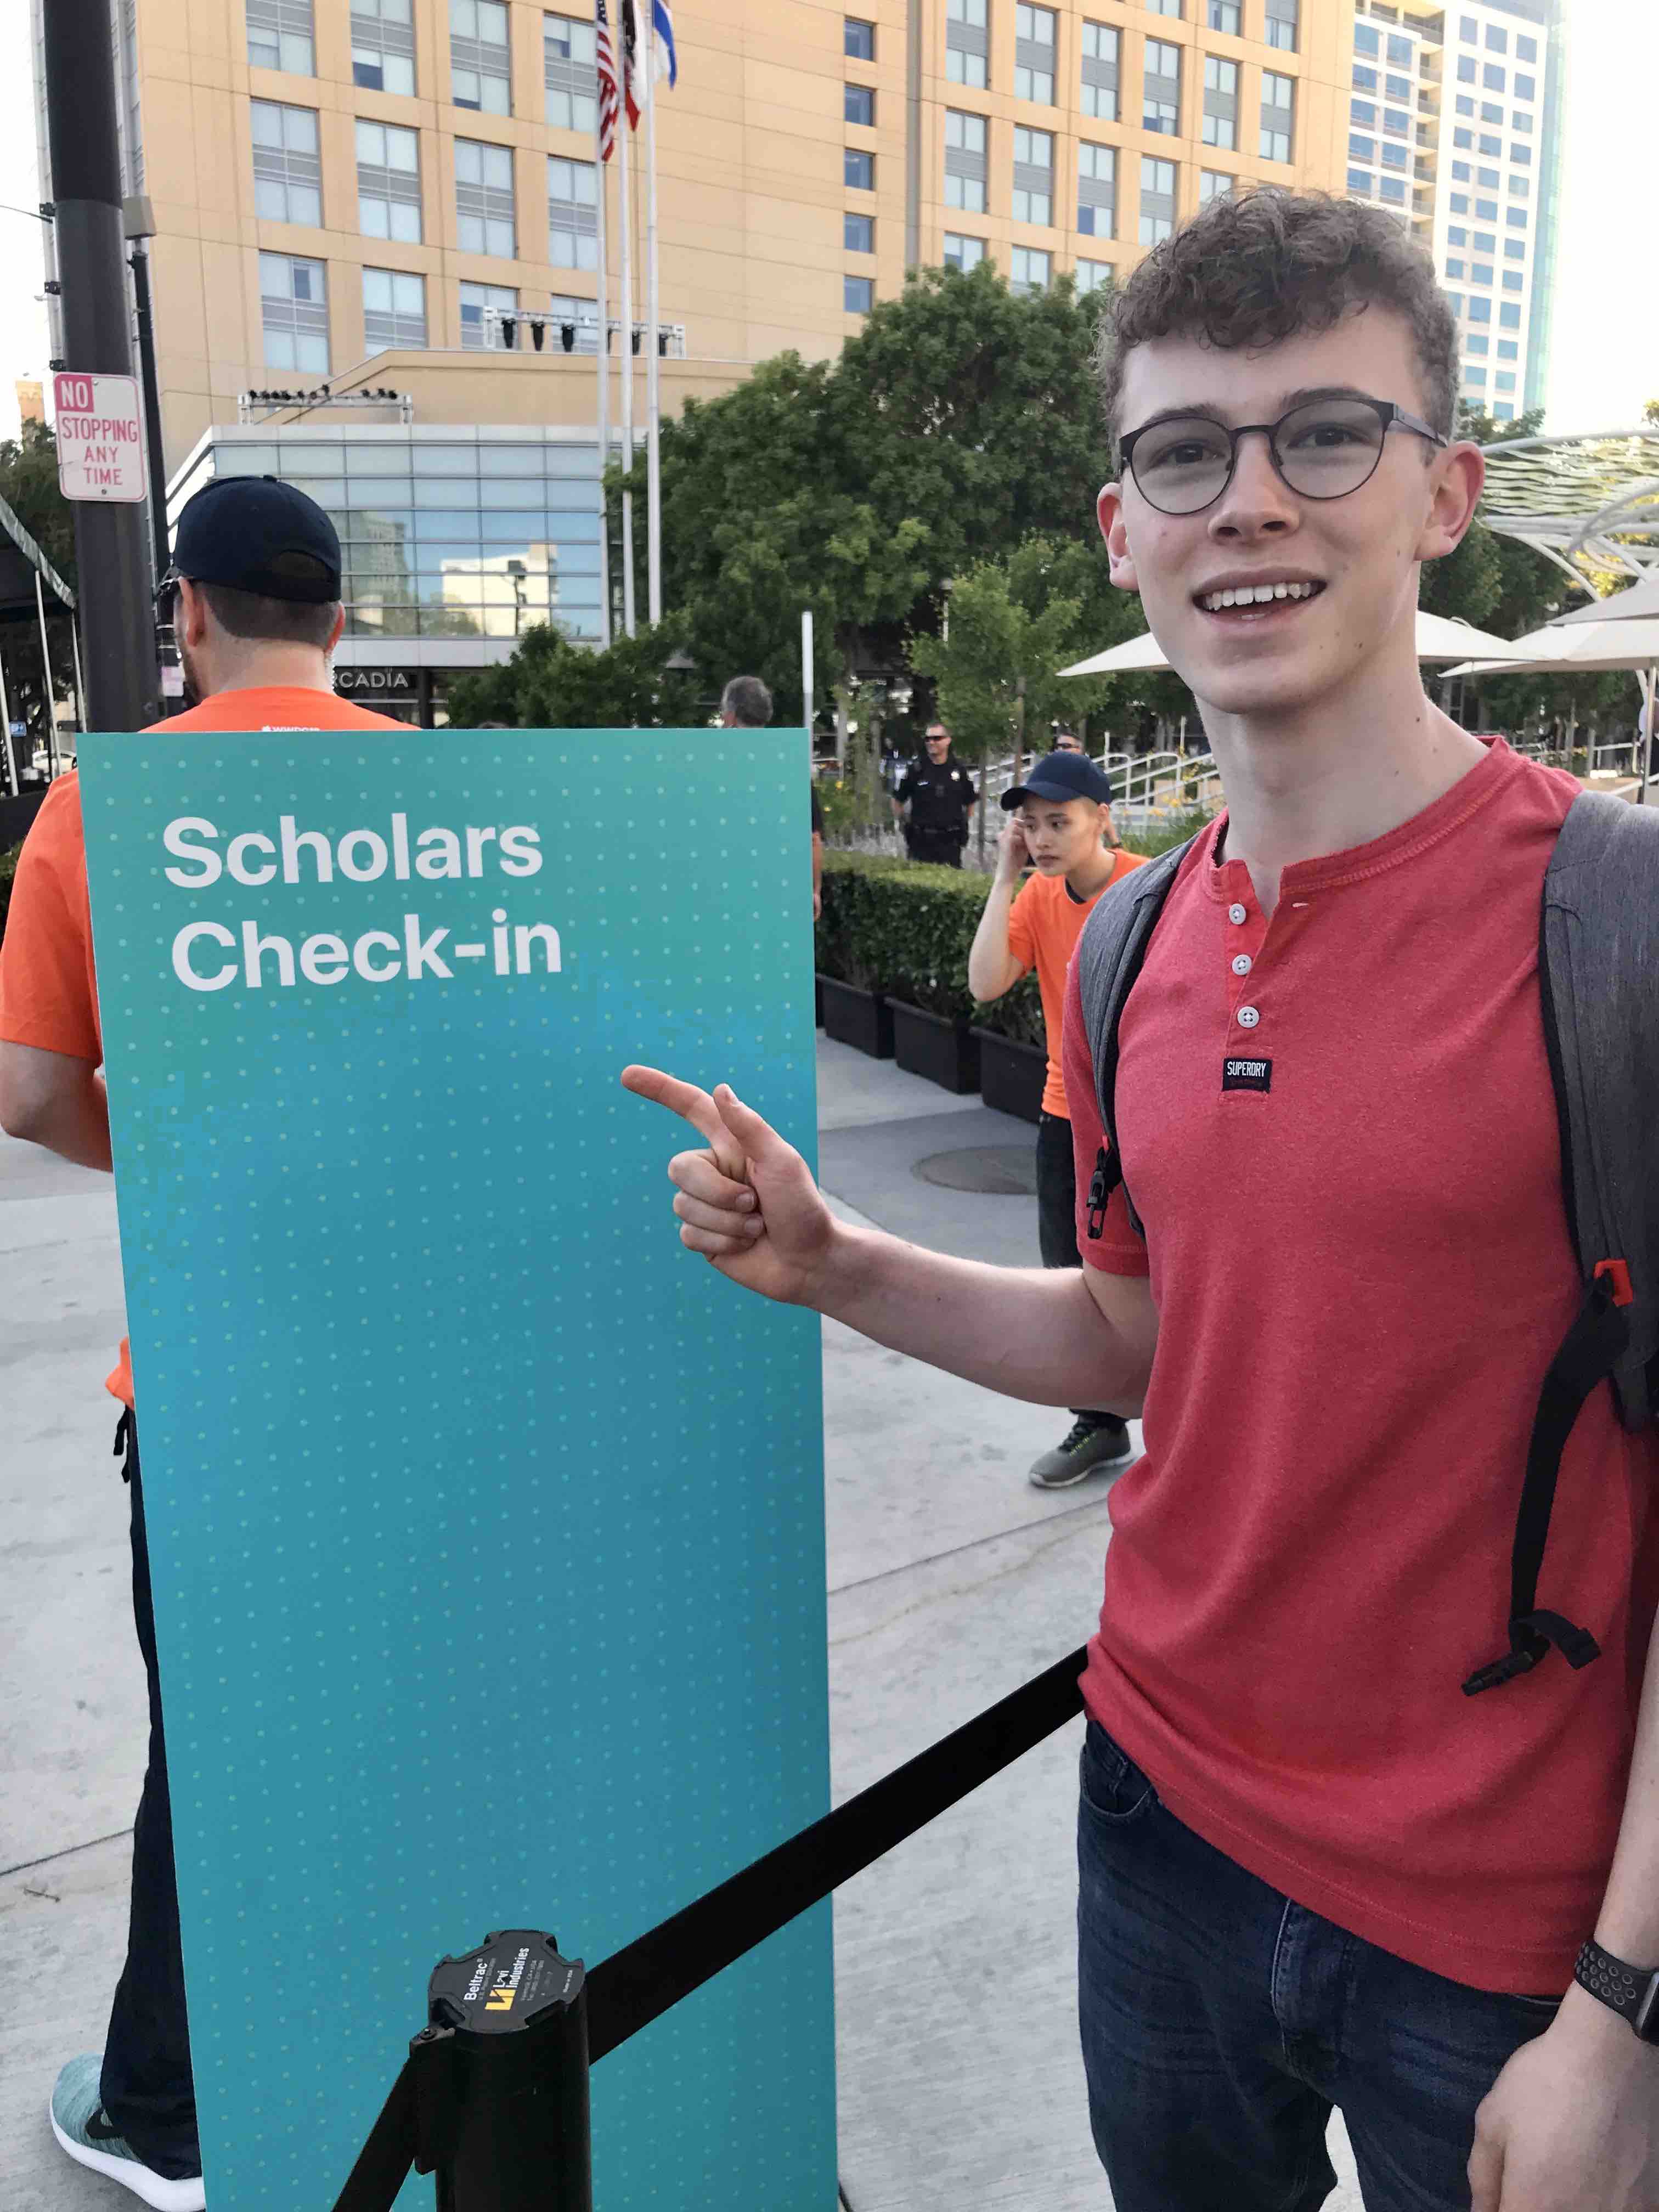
{"x":537,"y":331}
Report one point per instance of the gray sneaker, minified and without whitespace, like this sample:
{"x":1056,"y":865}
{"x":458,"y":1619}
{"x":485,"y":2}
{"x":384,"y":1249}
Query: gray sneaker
{"x":1086,"y":1448}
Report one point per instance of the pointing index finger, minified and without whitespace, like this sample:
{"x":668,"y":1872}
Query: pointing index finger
{"x":692,"y":1105}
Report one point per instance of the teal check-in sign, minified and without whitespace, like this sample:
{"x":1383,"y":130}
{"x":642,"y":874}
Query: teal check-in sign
{"x":485,"y":1524}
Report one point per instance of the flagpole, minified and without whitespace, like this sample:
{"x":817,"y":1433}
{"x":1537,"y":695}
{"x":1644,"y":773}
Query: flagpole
{"x":625,"y":311}
{"x":601,"y":170}
{"x":652,"y":395}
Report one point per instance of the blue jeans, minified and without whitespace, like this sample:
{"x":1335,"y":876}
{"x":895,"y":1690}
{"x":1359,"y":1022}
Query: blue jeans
{"x":1221,"y":2022}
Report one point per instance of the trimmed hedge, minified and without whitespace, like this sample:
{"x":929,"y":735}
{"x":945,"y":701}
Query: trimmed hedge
{"x":904,"y":928}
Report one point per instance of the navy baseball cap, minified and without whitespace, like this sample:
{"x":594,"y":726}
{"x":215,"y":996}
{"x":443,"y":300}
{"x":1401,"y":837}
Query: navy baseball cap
{"x":255,"y":534}
{"x":1059,"y":776}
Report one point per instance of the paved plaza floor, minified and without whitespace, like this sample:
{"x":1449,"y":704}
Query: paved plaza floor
{"x":951,"y":1582}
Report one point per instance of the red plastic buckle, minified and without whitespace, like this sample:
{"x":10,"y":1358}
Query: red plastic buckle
{"x":1618,"y":1273}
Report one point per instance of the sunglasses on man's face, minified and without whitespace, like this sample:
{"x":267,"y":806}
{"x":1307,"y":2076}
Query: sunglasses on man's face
{"x":1321,"y":449}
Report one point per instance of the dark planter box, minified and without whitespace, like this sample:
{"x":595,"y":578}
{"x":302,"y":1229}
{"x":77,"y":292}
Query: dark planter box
{"x":860,"y":1018}
{"x":941,"y":1047}
{"x":1011,"y":1075}
{"x":817,"y":1001}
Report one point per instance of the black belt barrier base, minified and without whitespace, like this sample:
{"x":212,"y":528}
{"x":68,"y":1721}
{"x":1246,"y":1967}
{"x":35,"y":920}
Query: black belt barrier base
{"x":493,"y":2098}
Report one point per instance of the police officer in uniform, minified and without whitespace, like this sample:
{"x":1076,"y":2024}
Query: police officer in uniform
{"x":940,"y":796}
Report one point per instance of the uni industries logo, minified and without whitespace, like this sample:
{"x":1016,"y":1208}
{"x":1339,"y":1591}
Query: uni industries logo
{"x":219,"y":954}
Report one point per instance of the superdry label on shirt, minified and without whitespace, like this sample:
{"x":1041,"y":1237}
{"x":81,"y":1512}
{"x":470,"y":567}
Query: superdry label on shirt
{"x":1247,"y":1075}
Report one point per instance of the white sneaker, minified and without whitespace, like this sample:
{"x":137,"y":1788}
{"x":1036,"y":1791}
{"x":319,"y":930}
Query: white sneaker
{"x":83,"y":2129}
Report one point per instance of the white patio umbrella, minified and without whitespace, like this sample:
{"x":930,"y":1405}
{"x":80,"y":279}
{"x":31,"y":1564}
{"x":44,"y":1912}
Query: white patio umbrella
{"x":1592,"y":648}
{"x":1438,"y":639}
{"x":1638,"y":603}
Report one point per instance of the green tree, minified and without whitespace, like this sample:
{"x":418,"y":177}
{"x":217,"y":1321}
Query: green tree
{"x":28,"y":484}
{"x":551,"y":683}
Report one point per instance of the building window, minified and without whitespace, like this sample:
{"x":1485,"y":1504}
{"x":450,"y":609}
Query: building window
{"x":1399,"y":88}
{"x":1395,"y":121}
{"x":1279,"y":116}
{"x":1459,"y":202}
{"x":962,"y":252}
{"x":389,"y":183}
{"x":1096,"y":191}
{"x":1468,"y":30}
{"x":394,"y":309}
{"x":1100,"y":72}
{"x":1457,"y":238}
{"x":1516,"y":217}
{"x":1509,"y":315}
{"x":1282,"y":24}
{"x":858,"y":294}
{"x":1361,"y":149}
{"x":1485,"y":210}
{"x":1161,"y":93}
{"x":1493,"y":146}
{"x":1475,"y":379}
{"x":1460,"y":171}
{"x":1359,"y":182}
{"x":1521,"y":121}
{"x":1029,"y":270}
{"x":1363,"y":112}
{"x":1364,"y":79}
{"x":964,"y":161}
{"x":383,"y":45}
{"x":281,"y":35}
{"x":476,"y":300}
{"x":1465,"y":105}
{"x":967,"y":43}
{"x":572,"y":213}
{"x":1491,"y":112}
{"x":1484,"y":242}
{"x":1095,"y":276}
{"x":858,"y":40}
{"x":1395,"y":157}
{"x":1393,"y":190}
{"x":1454,"y":269}
{"x":570,"y":73}
{"x":287,"y":175}
{"x":1480,"y":273}
{"x":1221,"y":102}
{"x":1508,"y":349}
{"x":1514,"y":280}
{"x":1223,"y":15}
{"x":1034,"y":175}
{"x":293,"y":309}
{"x":859,"y":170}
{"x":859,"y":106}
{"x":1521,"y":154}
{"x":1526,"y":49}
{"x":1464,"y":139}
{"x":1034,"y":54}
{"x":1475,"y":344}
{"x":1503,"y":412}
{"x":1515,"y":249}
{"x":1162,"y":7}
{"x":1157,"y":199}
{"x":1468,"y":69}
{"x":1367,"y":41}
{"x":1497,"y":39}
{"x":1520,"y":187}
{"x":1493,"y":78}
{"x":1214,"y":185}
{"x":1524,"y":88}
{"x":1479,"y":310}
{"x":1401,"y":54}
{"x":483,"y":199}
{"x":480,"y":65}
{"x":858,"y":234}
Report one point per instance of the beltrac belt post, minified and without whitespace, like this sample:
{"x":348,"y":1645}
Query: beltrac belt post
{"x":499,"y":2077}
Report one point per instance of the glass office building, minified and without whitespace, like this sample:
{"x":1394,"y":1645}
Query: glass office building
{"x":455,"y":541}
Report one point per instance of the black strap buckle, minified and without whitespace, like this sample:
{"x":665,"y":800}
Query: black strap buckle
{"x":1530,"y":1636}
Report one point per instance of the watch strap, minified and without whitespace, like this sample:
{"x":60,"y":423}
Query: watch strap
{"x":1631,"y":1991}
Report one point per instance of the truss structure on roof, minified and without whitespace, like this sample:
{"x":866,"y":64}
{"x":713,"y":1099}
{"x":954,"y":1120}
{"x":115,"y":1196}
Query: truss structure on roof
{"x":1590,"y":503}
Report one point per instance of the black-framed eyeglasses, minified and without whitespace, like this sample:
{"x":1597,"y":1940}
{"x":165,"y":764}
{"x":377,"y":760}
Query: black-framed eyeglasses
{"x":1322,"y":449}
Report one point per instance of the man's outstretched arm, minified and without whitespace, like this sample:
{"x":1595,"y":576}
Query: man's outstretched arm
{"x":748,"y":1204}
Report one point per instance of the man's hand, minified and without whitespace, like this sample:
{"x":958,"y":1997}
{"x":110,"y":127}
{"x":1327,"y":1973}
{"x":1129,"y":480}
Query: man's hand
{"x":748,"y":1202}
{"x":1013,"y":854}
{"x":1572,"y":2124}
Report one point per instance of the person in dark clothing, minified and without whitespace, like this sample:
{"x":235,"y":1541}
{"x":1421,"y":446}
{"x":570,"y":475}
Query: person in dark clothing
{"x":746,"y":704}
{"x":940,"y":796}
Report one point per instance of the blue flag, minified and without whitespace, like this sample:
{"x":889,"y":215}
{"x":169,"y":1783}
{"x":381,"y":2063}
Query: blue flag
{"x":662,"y":19}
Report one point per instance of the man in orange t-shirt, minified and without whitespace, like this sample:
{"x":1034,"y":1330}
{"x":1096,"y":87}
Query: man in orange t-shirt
{"x":256,"y":613}
{"x":1062,"y":828}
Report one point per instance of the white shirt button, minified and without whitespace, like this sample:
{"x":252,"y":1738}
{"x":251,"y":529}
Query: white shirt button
{"x":1236,"y":913}
{"x":1240,"y":964}
{"x":1248,"y":1017}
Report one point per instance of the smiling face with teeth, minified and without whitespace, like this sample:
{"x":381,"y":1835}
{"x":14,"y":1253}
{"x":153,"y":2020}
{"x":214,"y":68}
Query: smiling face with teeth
{"x":1271,"y":603}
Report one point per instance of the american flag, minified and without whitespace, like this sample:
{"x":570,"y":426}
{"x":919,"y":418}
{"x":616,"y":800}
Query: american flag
{"x":605,"y":63}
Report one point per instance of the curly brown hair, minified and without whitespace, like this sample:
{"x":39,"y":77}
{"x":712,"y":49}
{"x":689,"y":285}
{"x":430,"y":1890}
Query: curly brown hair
{"x":1253,"y":269}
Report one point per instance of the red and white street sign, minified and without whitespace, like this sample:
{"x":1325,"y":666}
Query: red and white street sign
{"x":101,"y":436}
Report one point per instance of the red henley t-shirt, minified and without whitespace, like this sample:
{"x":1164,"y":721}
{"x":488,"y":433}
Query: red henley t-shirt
{"x":1362,"y":1271}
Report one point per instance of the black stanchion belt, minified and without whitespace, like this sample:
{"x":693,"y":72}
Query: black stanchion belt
{"x":638,"y":1983}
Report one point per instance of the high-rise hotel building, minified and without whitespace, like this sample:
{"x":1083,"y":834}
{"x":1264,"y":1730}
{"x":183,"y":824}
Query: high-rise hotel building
{"x":377,"y":193}
{"x":1455,"y":121}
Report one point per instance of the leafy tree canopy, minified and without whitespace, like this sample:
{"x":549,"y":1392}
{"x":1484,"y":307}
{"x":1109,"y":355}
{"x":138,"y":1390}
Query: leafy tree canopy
{"x":551,"y":684}
{"x":28,"y":484}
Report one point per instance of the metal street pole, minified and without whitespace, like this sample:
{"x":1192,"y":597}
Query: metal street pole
{"x":139,"y":264}
{"x":122,"y":680}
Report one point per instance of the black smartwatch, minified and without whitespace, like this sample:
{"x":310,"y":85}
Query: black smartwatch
{"x":1631,"y":1991}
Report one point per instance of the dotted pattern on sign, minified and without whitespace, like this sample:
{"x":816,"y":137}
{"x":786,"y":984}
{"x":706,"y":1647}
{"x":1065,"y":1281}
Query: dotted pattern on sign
{"x":486,"y":1524}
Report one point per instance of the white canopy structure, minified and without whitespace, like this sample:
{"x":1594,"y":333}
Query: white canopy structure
{"x":1438,"y":639}
{"x":1589,"y":503}
{"x":1588,"y":648}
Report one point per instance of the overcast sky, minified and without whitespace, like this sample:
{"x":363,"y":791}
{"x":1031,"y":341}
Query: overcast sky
{"x":1605,"y":358}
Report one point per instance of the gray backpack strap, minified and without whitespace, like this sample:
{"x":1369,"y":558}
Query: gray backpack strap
{"x":1598,"y":977}
{"x":1110,"y":955}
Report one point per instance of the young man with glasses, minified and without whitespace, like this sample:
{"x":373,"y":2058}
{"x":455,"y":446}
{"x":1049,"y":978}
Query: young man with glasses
{"x":253,"y":597}
{"x":1313,"y":1871}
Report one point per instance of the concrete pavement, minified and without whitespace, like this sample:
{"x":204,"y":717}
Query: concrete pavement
{"x":951,"y":1581}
